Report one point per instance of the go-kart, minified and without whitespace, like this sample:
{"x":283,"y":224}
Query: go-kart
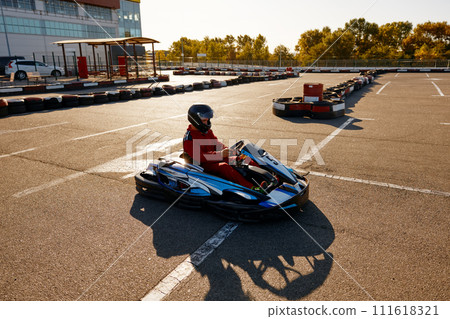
{"x":177,"y":179}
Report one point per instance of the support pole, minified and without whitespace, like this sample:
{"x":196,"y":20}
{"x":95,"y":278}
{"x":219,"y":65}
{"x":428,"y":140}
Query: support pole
{"x":154,"y":62}
{"x":65,"y":61}
{"x":95,"y":61}
{"x":106,"y":62}
{"x":79,"y":46}
{"x":135,"y":60}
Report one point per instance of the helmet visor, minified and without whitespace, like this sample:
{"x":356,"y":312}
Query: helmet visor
{"x":206,"y":114}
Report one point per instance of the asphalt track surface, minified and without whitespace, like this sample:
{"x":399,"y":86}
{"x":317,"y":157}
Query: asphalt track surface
{"x":376,"y":227}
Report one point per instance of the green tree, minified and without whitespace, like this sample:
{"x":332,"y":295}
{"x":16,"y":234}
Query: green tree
{"x":429,"y":40}
{"x":365,"y":35}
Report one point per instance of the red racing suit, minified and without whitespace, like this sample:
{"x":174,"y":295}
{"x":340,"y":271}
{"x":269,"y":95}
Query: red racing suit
{"x":205,"y":149}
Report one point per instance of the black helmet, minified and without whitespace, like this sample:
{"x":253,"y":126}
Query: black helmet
{"x":196,"y":113}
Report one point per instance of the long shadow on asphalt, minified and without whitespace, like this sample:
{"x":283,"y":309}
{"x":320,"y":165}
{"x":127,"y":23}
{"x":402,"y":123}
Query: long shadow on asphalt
{"x":286,"y":260}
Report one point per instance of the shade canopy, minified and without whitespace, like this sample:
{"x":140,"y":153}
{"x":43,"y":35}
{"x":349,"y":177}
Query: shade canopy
{"x":109,"y":41}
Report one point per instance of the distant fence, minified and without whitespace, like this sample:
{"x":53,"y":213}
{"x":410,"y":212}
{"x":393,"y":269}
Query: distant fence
{"x":211,"y":63}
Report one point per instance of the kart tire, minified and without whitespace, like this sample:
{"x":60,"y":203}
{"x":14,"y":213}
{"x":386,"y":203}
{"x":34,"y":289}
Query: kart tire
{"x":3,"y":108}
{"x":51,"y":103}
{"x":16,"y":106}
{"x":34,"y":104}
{"x":70,"y":100}
{"x":113,"y":96}
{"x":125,"y":95}
{"x":146,"y":92}
{"x":136,"y":94}
{"x":101,"y":98}
{"x":85,"y":100}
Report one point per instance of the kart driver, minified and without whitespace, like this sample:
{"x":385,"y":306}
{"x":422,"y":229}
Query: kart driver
{"x":203,"y":147}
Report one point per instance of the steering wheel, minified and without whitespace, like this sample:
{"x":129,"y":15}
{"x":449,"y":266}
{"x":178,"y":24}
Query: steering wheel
{"x":237,"y":147}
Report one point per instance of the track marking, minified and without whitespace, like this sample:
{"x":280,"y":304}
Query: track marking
{"x":183,"y":270}
{"x":32,"y":128}
{"x":243,"y":101}
{"x":48,"y":185}
{"x":107,"y":132}
{"x":396,"y":75}
{"x":427,"y":75}
{"x":260,"y":97}
{"x":438,"y":89}
{"x":123,"y":164}
{"x":382,"y":184}
{"x":322,"y":144}
{"x":364,"y":119}
{"x":382,"y":88}
{"x":18,"y":152}
{"x":445,"y":123}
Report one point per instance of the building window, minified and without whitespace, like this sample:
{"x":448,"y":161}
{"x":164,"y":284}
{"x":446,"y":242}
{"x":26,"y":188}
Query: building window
{"x":98,"y":12}
{"x":61,"y":7}
{"x":56,"y":28}
{"x":129,"y":19}
{"x":20,"y":25}
{"x":20,"y":4}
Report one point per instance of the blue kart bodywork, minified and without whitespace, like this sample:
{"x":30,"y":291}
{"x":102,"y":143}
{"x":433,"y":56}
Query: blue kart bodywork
{"x":174,"y":179}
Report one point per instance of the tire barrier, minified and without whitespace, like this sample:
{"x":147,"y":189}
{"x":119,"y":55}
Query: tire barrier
{"x":34,"y":104}
{"x":101,"y":98}
{"x":3,"y":108}
{"x":136,"y":94}
{"x":70,"y":100}
{"x":86,"y":99}
{"x":169,"y":89}
{"x":16,"y":106}
{"x":113,"y":96}
{"x":52,"y":102}
{"x":125,"y":95}
{"x":198,"y":86}
{"x":146,"y":92}
{"x":318,"y":103}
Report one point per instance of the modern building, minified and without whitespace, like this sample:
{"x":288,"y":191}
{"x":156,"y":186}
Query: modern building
{"x":30,"y":27}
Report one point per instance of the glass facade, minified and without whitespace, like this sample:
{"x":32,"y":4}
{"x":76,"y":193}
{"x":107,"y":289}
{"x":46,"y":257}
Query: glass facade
{"x":129,"y":19}
{"x":55,"y":28}
{"x":98,"y":12}
{"x":61,"y":7}
{"x":19,"y":4}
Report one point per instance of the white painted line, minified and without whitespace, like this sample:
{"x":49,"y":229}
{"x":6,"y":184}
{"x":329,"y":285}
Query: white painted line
{"x":10,"y":90}
{"x":396,"y":75}
{"x":106,"y":132}
{"x":273,"y":84}
{"x":233,"y":103}
{"x":260,"y":97}
{"x":388,"y":185}
{"x":382,"y":88}
{"x":427,"y":75}
{"x":123,"y":164}
{"x":322,"y":144}
{"x":48,"y":185}
{"x":364,"y":119}
{"x":90,"y":84}
{"x":128,"y":176}
{"x":54,"y":87}
{"x":183,"y":270}
{"x":445,"y":123}
{"x":19,"y":152}
{"x":438,"y":89}
{"x":32,"y":128}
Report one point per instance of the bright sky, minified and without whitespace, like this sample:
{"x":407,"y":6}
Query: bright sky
{"x":280,"y":21}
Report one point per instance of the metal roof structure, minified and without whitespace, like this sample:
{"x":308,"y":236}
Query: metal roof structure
{"x":108,"y":42}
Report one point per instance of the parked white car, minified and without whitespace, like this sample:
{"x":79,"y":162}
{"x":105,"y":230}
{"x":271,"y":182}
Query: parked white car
{"x":22,"y":67}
